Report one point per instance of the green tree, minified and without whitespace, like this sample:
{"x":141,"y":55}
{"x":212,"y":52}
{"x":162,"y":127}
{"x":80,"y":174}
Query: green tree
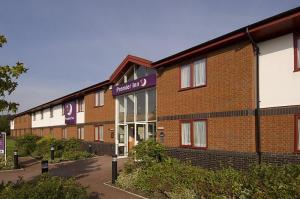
{"x":8,"y":82}
{"x":4,"y":123}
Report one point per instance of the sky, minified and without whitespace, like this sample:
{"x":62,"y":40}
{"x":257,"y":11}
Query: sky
{"x":71,"y":44}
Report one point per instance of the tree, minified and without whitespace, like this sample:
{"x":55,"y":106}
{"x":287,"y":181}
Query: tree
{"x":4,"y":123}
{"x":8,"y":82}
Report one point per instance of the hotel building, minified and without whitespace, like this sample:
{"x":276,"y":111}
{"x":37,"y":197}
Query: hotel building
{"x":233,"y":100}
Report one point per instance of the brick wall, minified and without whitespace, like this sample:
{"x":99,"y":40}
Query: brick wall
{"x":230,"y":87}
{"x":101,"y":113}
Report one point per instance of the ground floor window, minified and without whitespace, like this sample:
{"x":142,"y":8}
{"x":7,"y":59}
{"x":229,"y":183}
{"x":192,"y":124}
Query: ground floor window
{"x":297,"y":133}
{"x":99,"y":133}
{"x":64,"y":133}
{"x":51,"y":132}
{"x":80,"y":132}
{"x":194,"y":133}
{"x":41,"y":132}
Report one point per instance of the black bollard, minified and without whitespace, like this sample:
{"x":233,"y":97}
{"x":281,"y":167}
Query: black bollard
{"x":52,"y":153}
{"x":44,"y":166}
{"x":16,"y":160}
{"x":90,"y":148}
{"x":114,"y":168}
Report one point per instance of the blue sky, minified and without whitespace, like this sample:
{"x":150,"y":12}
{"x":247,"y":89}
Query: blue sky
{"x":70,"y":44}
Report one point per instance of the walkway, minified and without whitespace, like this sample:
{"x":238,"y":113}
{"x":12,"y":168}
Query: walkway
{"x":91,"y":173}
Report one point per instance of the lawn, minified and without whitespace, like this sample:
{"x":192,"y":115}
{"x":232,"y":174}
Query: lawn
{"x":10,"y":146}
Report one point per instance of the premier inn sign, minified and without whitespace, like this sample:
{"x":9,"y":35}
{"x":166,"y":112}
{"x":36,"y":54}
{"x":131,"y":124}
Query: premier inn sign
{"x":138,"y":84}
{"x":70,"y":112}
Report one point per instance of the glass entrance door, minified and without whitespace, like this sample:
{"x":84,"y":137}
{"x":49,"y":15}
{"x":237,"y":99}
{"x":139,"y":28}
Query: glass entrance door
{"x":122,"y":140}
{"x":140,"y":132}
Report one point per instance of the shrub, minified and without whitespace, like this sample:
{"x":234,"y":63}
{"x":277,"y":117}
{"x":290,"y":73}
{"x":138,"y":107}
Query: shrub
{"x":26,"y":144}
{"x":43,"y":147}
{"x":72,"y":145}
{"x":271,"y":181}
{"x":75,"y":155}
{"x":148,"y":152}
{"x":171,"y":178}
{"x":44,"y":187}
{"x":9,"y":163}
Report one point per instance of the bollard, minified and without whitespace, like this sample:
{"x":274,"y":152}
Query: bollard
{"x":114,"y":168}
{"x":90,"y":148}
{"x":16,"y":160}
{"x":44,"y":166}
{"x":52,"y":153}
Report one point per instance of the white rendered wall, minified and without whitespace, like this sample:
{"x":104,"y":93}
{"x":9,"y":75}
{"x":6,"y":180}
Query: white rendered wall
{"x":57,"y":119}
{"x":12,"y":124}
{"x":279,"y":84}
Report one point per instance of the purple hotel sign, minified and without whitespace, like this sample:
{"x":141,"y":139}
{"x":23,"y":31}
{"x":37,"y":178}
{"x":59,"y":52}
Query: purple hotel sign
{"x":141,"y":83}
{"x":2,"y":143}
{"x":70,"y":112}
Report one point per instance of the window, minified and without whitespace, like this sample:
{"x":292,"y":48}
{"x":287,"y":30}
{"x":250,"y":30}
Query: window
{"x":194,"y":133}
{"x":297,"y":51}
{"x":80,"y":132}
{"x":64,"y":133}
{"x":51,"y":132}
{"x":151,"y":105}
{"x":51,"y":111}
{"x":186,"y":134}
{"x":80,"y":105}
{"x":121,"y":108}
{"x":41,"y":132}
{"x":99,"y":98}
{"x":98,"y":133}
{"x":42,"y":114}
{"x":63,"y":109}
{"x":140,"y":106}
{"x":297,"y":133}
{"x":34,"y":117}
{"x":193,"y":75}
{"x":185,"y":76}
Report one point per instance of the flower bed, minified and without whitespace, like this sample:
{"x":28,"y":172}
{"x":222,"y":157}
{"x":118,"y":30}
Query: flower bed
{"x":159,"y":176}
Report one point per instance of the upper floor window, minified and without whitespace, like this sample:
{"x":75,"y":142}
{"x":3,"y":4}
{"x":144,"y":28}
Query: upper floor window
{"x":62,"y":109}
{"x":80,"y":105}
{"x":42,"y":114}
{"x":297,"y":51}
{"x":193,"y":74}
{"x":51,"y":111}
{"x":194,"y":133}
{"x":34,"y":116}
{"x":99,"y":98}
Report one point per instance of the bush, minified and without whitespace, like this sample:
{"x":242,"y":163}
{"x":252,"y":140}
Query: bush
{"x":44,"y":187}
{"x":26,"y":144}
{"x":9,"y":163}
{"x":148,"y":152}
{"x":75,"y":155}
{"x":170,"y":178}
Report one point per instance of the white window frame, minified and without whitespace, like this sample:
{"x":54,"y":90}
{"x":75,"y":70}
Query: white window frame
{"x":99,"y":133}
{"x":80,"y":133}
{"x":99,"y":98}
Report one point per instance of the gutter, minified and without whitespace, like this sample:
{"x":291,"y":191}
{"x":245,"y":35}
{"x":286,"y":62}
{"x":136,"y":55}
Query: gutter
{"x":257,"y":109}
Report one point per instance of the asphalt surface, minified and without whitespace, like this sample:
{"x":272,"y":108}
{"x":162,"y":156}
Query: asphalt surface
{"x":91,"y":173}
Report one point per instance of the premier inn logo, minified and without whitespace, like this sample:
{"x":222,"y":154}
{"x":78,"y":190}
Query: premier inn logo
{"x":144,"y":82}
{"x":70,"y":113}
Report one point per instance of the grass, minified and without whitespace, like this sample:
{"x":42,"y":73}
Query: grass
{"x":10,"y":146}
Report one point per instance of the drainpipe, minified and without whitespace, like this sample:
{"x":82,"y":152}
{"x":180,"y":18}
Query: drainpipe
{"x":257,"y":110}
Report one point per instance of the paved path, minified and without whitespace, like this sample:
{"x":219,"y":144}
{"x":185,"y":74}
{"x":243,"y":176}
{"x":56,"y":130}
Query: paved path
{"x":91,"y":173}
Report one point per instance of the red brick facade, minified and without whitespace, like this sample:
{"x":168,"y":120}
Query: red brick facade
{"x":227,"y":102}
